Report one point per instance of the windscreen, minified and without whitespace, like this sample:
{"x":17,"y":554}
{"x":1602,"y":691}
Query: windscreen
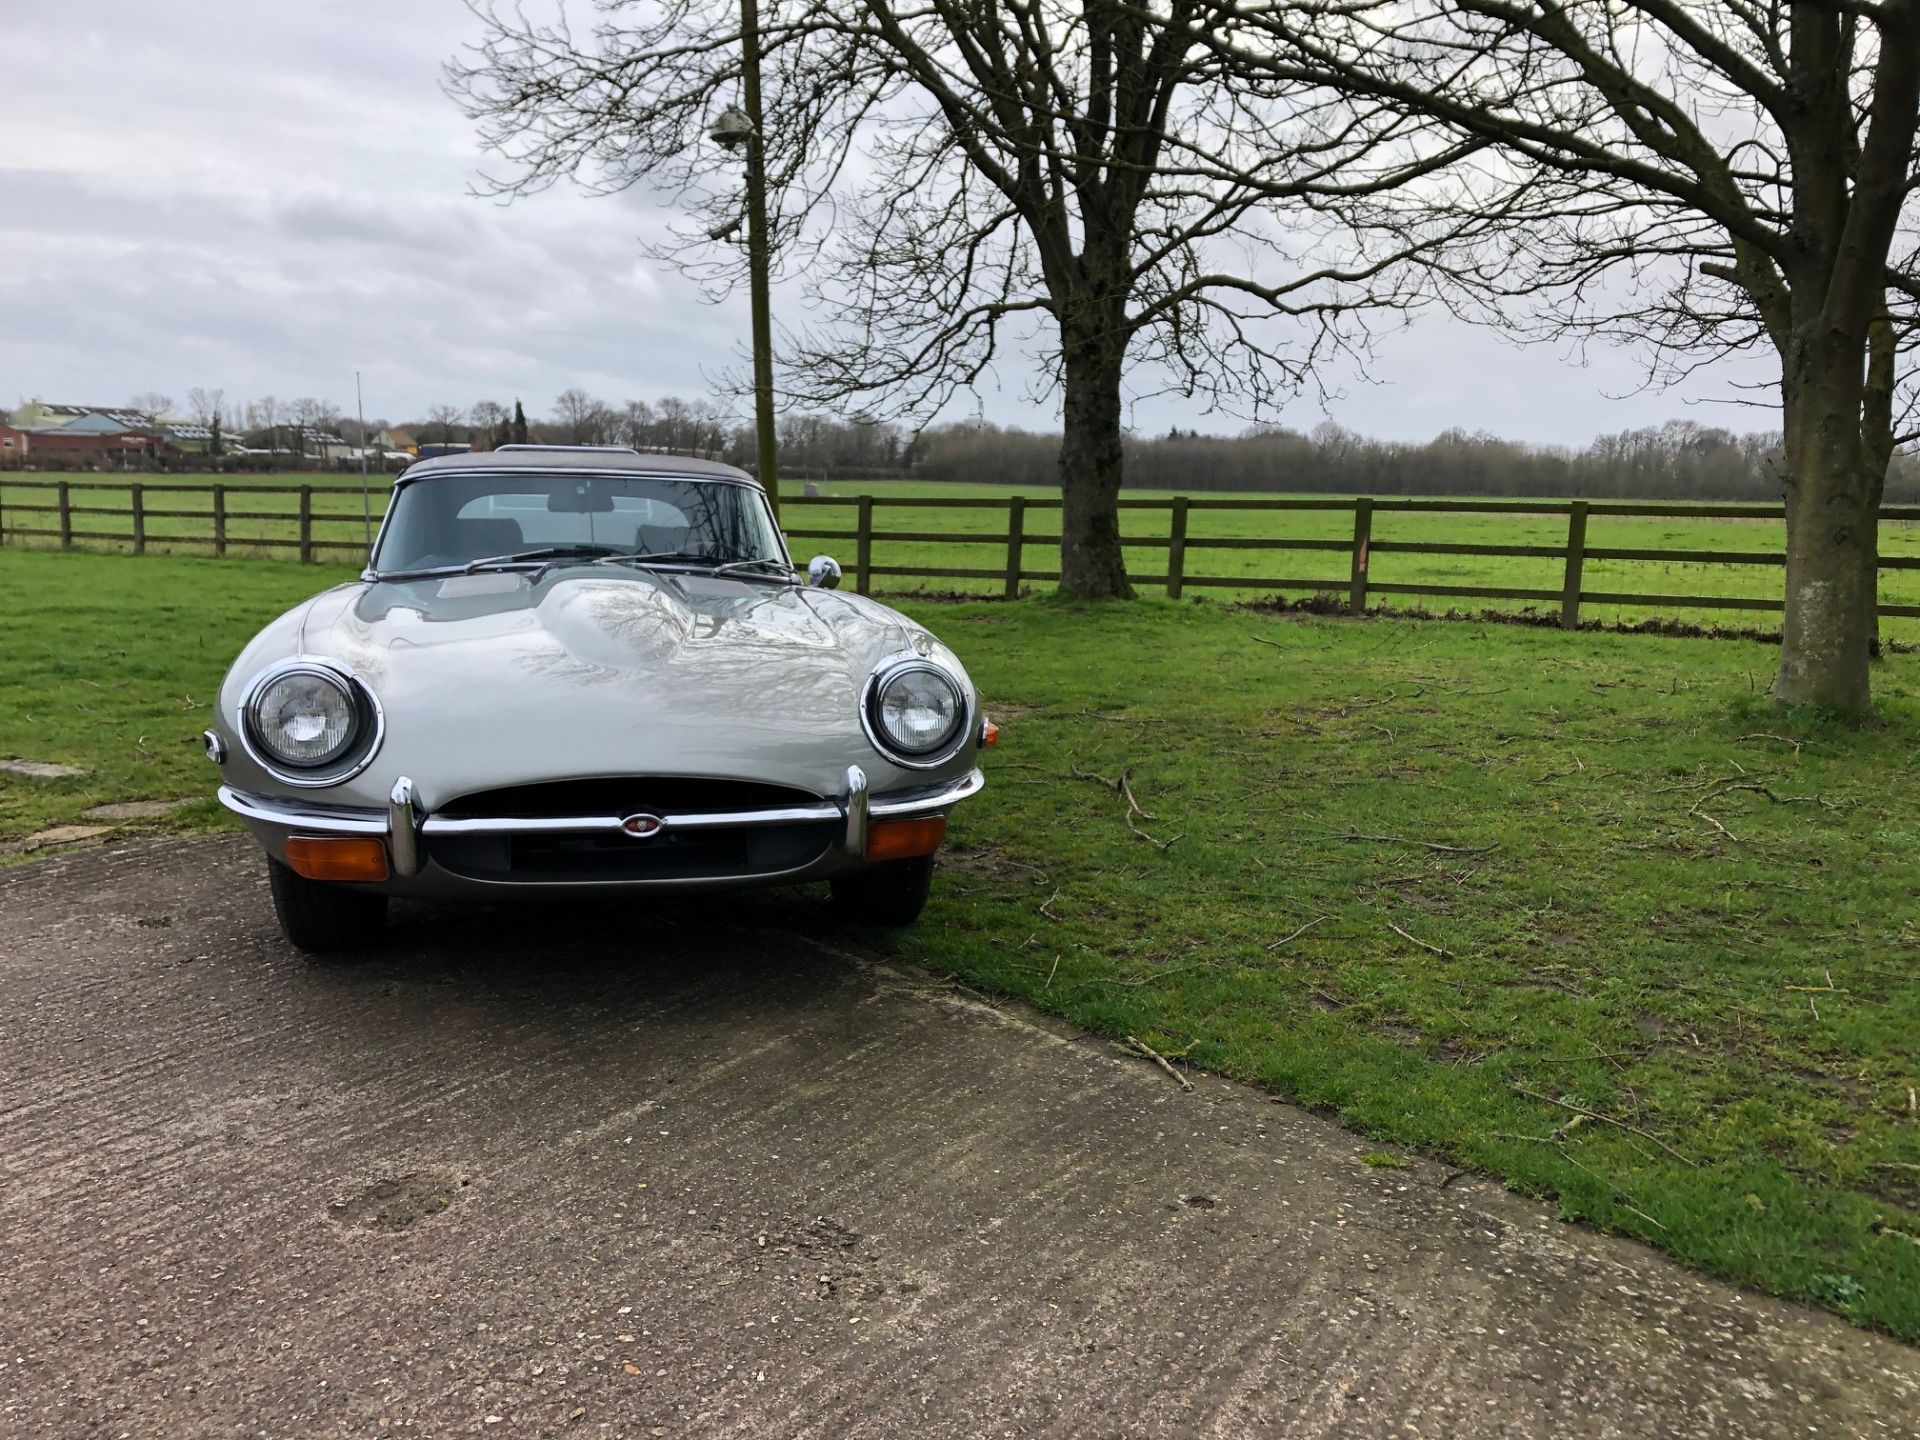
{"x":455,"y":521}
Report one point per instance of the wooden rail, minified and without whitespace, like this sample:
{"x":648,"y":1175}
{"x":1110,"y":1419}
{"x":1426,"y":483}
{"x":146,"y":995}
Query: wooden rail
{"x":65,"y":517}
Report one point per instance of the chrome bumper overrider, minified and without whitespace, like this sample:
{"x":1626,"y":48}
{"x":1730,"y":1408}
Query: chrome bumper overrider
{"x":409,"y":830}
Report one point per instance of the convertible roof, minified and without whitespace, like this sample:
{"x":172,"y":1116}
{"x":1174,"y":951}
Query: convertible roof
{"x":575,"y":457}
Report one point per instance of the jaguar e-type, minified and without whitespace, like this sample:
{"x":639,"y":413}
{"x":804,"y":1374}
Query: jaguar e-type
{"x":575,"y":670}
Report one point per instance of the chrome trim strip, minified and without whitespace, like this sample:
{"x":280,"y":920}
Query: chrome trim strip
{"x":577,"y":824}
{"x":296,"y":816}
{"x":916,"y":802}
{"x":403,"y":828}
{"x":854,"y":842}
{"x":321,"y":820}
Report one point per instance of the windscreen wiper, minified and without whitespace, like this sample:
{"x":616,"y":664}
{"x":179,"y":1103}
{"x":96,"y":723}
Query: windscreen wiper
{"x":528,"y":557}
{"x":660,"y":557}
{"x":784,"y":568}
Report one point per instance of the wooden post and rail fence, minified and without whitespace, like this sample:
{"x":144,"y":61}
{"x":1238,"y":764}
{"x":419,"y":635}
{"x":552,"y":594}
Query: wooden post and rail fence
{"x":57,"y":510}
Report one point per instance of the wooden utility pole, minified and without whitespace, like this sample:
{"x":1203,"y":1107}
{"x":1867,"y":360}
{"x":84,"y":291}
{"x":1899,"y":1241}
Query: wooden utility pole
{"x":757,"y":255}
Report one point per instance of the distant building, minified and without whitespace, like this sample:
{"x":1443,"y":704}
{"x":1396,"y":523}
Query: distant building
{"x":14,"y":444}
{"x":326,"y":447}
{"x":90,"y":447}
{"x":39,"y":415}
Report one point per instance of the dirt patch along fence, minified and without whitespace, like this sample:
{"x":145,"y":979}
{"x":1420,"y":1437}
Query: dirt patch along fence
{"x":1554,"y":555}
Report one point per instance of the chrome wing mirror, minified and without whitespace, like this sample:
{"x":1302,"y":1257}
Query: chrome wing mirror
{"x":823,"y":571}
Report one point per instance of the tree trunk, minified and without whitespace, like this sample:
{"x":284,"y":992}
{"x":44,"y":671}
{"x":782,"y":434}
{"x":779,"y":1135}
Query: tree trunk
{"x":1833,"y":515}
{"x":1092,"y":565}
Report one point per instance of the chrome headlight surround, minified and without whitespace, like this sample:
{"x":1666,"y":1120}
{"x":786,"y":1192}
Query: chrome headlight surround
{"x":874,"y":695}
{"x":349,"y":759}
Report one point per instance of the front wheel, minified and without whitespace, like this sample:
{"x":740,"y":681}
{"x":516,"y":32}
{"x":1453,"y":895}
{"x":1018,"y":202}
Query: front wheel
{"x":893,"y":893}
{"x":320,"y":918}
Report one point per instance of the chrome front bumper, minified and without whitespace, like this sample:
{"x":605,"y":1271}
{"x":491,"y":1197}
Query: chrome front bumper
{"x":409,"y":831}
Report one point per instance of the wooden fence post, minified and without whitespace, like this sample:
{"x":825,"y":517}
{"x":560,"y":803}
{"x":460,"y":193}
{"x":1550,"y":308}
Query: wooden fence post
{"x":66,"y":516}
{"x":219,"y":520}
{"x":139,"y":494}
{"x":863,"y":548}
{"x":1576,"y":563}
{"x":1177,"y":548}
{"x":1016,"y":543}
{"x":1362,"y":542}
{"x":306,"y":524}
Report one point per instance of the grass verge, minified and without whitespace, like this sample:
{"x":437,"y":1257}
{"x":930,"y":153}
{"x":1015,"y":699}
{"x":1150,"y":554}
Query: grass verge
{"x":1577,"y":911}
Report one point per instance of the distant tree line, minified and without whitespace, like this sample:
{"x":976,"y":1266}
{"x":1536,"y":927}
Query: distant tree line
{"x":1681,"y":460}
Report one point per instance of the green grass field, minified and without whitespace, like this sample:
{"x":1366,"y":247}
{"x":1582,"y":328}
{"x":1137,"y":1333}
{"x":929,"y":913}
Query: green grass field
{"x":338,"y":508}
{"x":1576,"y":911}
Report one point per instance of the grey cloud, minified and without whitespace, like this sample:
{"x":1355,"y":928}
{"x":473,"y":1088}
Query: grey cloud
{"x":268,"y":197}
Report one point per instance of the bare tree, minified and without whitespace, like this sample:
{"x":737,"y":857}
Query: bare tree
{"x":1713,"y":175}
{"x":634,"y":425}
{"x":308,"y":416}
{"x":1084,"y":179}
{"x":264,"y":414}
{"x":152,"y":404}
{"x":208,"y":408}
{"x":488,"y":419}
{"x":584,"y":418}
{"x":446,"y":417}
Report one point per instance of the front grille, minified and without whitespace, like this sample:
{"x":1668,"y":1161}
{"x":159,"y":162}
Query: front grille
{"x":737,"y":853}
{"x":627,"y":795}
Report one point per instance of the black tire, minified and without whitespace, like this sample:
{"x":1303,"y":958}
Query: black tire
{"x":891,"y":894}
{"x":323,"y":919}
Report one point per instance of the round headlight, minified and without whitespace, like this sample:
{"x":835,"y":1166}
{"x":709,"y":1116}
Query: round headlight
{"x":304,"y":719}
{"x":917,"y":710}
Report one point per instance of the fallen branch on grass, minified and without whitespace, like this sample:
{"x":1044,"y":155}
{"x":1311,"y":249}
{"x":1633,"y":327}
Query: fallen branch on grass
{"x":1123,"y":787}
{"x":1147,"y":1052}
{"x":1827,"y":989}
{"x":1783,"y":739}
{"x":1424,"y":945}
{"x":1423,"y":844}
{"x":1295,"y":935}
{"x":1607,"y":1119}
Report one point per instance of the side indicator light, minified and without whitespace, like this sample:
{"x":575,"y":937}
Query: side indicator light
{"x":989,"y":734}
{"x":905,"y":839}
{"x":327,"y":857}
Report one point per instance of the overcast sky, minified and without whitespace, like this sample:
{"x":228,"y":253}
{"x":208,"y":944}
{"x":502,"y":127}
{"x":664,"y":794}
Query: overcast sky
{"x":267,"y":197}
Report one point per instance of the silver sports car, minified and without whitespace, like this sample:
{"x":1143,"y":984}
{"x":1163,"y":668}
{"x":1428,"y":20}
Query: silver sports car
{"x":581,"y":669}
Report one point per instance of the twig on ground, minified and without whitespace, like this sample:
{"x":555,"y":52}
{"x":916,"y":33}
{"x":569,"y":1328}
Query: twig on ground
{"x":1423,"y":844}
{"x":1163,"y":844}
{"x":1123,"y":787}
{"x":1827,"y":989}
{"x":1819,"y":800}
{"x":1051,"y":973}
{"x":1141,"y":1048}
{"x":1296,"y":934}
{"x":1048,"y":901}
{"x":1607,"y":1119}
{"x":1783,"y":739}
{"x":1424,"y":945}
{"x":1578,"y":767}
{"x":1696,"y":810}
{"x":1133,"y":982}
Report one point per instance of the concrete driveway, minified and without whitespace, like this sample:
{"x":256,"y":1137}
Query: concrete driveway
{"x":635,"y":1172}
